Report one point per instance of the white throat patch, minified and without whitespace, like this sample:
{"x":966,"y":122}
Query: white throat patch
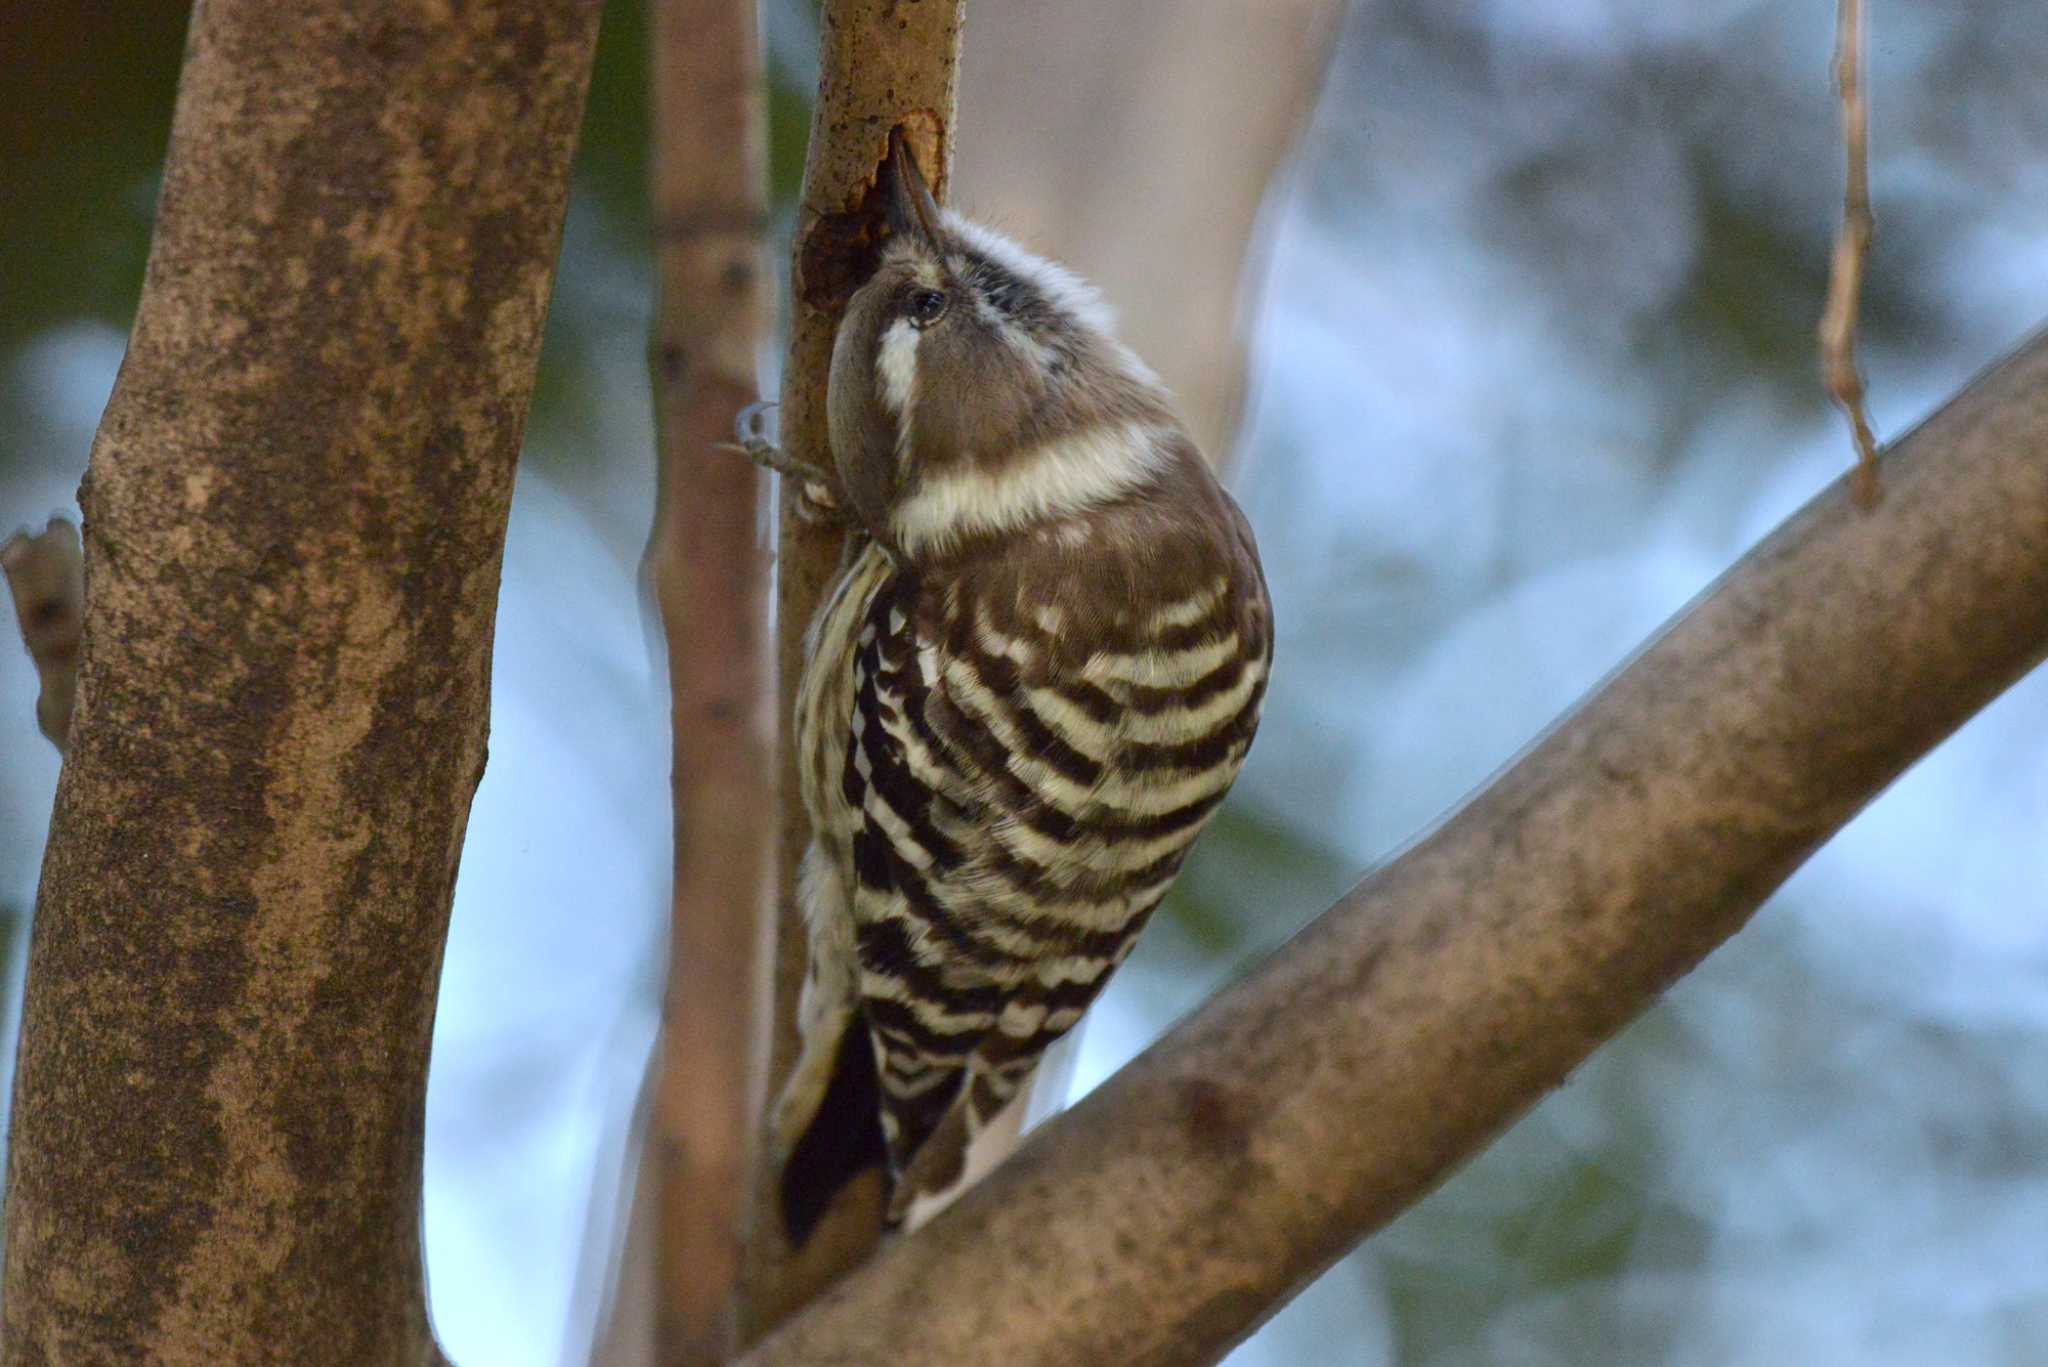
{"x":1064,"y":476}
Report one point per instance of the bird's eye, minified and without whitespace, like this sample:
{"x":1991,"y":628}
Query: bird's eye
{"x":926,"y":306}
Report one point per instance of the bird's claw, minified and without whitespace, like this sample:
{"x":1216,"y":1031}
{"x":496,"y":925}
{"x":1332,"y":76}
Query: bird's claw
{"x":817,"y":491}
{"x":747,"y":423}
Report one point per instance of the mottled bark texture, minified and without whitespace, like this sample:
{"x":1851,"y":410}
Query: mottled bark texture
{"x":294,"y":522}
{"x":711,"y":578}
{"x":883,"y":64}
{"x":1173,"y":1210}
{"x":46,"y":578}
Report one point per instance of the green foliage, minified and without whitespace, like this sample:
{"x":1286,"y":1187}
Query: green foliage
{"x":612,"y":152}
{"x":607,"y":234}
{"x":1245,"y":865}
{"x":85,"y":110}
{"x":789,"y":135}
{"x":604,"y":291}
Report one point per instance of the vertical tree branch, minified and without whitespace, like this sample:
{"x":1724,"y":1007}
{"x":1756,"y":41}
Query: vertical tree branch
{"x":1852,"y":249}
{"x":710,"y":576}
{"x":46,"y":575}
{"x":882,"y":64}
{"x":1163,"y":1218}
{"x":294,"y":522}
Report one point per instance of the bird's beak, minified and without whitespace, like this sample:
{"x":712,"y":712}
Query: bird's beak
{"x":911,"y":206}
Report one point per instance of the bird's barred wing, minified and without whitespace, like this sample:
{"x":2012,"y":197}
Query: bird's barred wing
{"x":1019,"y":819}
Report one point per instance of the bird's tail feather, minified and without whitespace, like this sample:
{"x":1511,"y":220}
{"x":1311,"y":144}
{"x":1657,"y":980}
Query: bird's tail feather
{"x":842,"y":1136}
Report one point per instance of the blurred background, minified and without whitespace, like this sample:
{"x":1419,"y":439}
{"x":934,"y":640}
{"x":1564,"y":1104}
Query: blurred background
{"x":1530,"y":359}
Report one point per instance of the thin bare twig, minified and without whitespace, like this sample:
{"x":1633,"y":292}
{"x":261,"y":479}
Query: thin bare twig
{"x":46,"y":574}
{"x":1168,"y":1214}
{"x":711,"y":579}
{"x":1852,"y":249}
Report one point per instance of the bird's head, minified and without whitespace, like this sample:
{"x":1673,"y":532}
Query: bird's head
{"x":977,"y":389}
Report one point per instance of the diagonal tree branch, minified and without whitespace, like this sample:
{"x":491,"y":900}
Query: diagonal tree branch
{"x":294,"y":520}
{"x":883,"y":64}
{"x":711,"y":579}
{"x":1173,"y":1210}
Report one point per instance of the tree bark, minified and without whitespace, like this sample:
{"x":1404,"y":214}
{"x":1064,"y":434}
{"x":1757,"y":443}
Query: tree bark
{"x":294,"y":521}
{"x":1172,"y":1211}
{"x":710,"y":576}
{"x":883,"y":64}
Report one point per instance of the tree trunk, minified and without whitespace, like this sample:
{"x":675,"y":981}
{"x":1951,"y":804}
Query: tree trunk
{"x":294,"y":520}
{"x":1173,"y":1210}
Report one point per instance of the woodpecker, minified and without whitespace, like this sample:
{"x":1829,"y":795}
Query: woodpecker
{"x":1030,"y":687}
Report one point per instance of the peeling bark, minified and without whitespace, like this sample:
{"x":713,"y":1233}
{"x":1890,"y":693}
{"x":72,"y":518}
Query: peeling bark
{"x":294,"y":522}
{"x":1173,"y":1210}
{"x":882,"y":64}
{"x":46,"y":577}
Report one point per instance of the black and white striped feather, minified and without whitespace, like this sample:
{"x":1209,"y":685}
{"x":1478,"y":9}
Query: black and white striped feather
{"x":1024,"y":698}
